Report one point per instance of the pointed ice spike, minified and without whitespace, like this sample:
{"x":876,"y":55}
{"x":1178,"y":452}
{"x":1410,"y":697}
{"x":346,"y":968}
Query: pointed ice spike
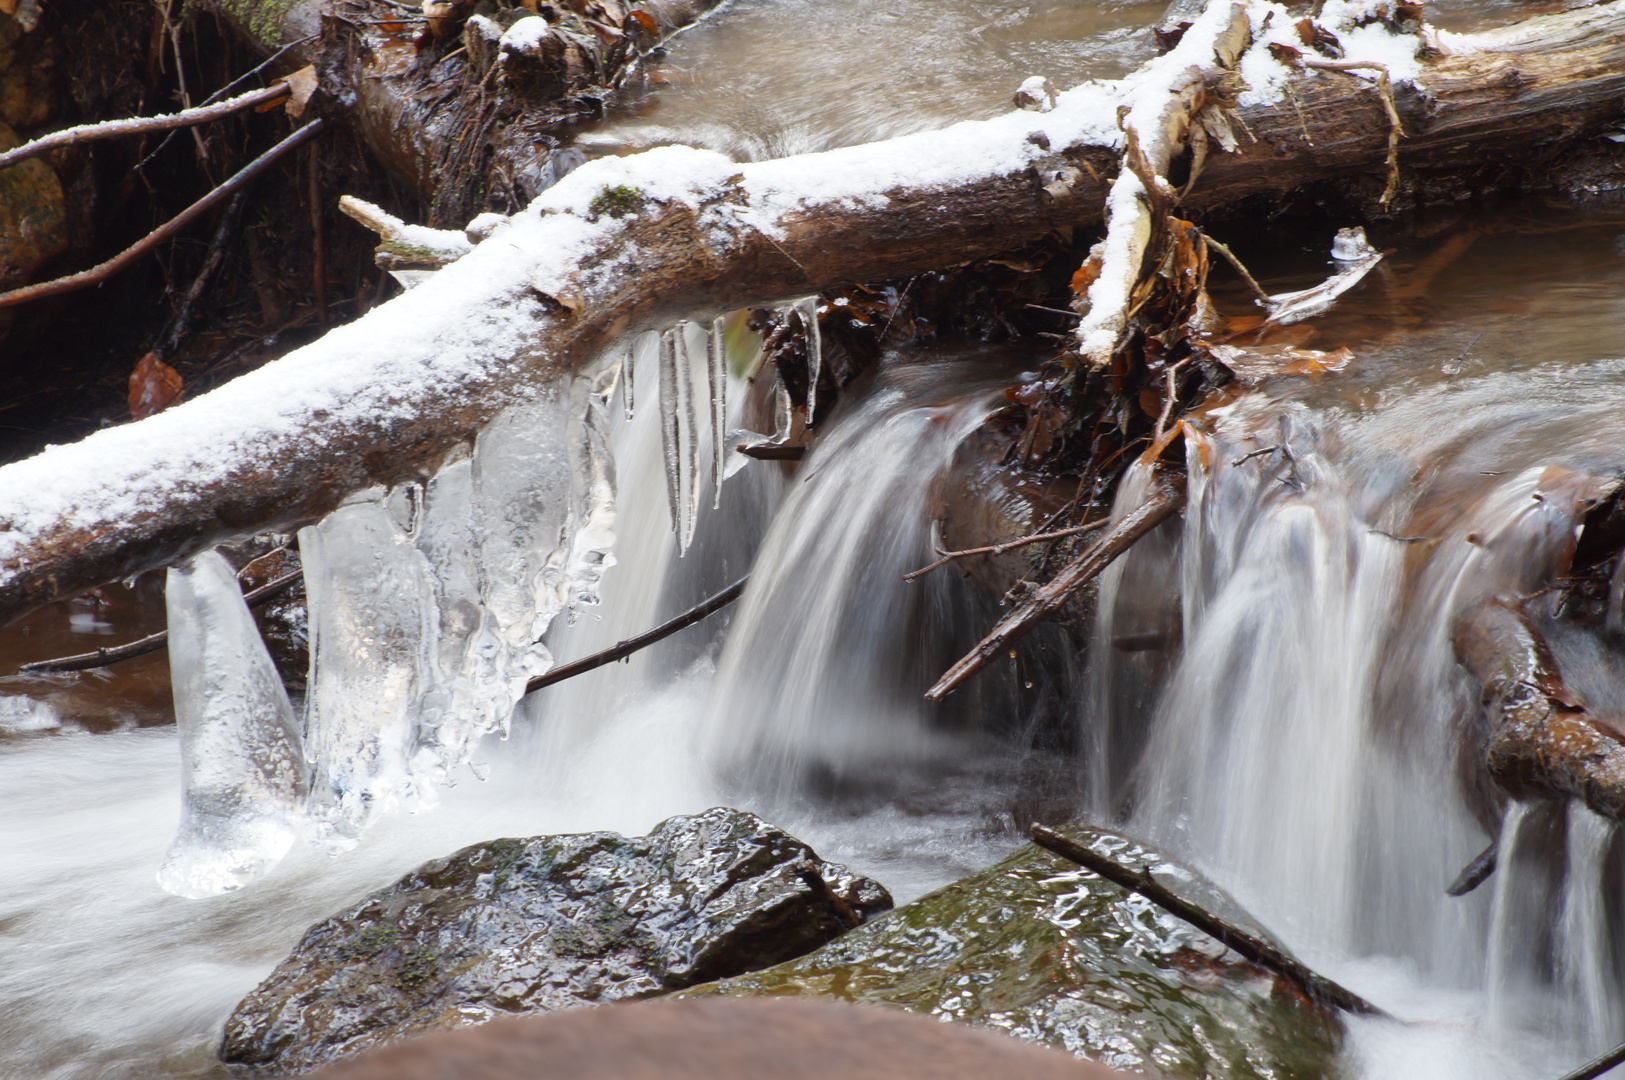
{"x":669,"y":409}
{"x":243,"y":768}
{"x":688,"y":450}
{"x":719,"y":409}
{"x":815,"y":352}
{"x":628,"y":364}
{"x":782,"y":418}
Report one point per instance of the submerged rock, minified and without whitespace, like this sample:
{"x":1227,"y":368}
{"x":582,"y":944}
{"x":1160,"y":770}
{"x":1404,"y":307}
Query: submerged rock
{"x":515,"y":926}
{"x":1040,"y":948}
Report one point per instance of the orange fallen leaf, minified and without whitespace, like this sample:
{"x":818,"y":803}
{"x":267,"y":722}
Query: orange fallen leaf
{"x":154,"y":386}
{"x":646,"y":22}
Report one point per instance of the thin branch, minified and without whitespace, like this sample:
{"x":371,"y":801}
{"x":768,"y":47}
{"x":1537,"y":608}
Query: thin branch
{"x":626,"y":648}
{"x":163,"y":232}
{"x":1230,"y":257}
{"x":1162,"y":502}
{"x":1593,"y":1069}
{"x":140,"y":125}
{"x":1319,"y":988}
{"x":1385,"y":90}
{"x":1010,"y":545}
{"x":152,"y":642}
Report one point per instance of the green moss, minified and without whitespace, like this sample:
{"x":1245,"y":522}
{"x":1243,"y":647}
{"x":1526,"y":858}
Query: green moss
{"x":370,"y":942}
{"x":261,"y":18}
{"x":415,"y":970}
{"x":617,"y":201}
{"x":1036,"y":946}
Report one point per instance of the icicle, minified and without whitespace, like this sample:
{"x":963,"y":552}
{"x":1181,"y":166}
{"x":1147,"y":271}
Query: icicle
{"x":628,"y":366}
{"x":687,"y":443}
{"x":718,"y":353}
{"x":815,"y":351}
{"x":782,"y":416}
{"x":670,"y":409}
{"x":244,"y":777}
{"x":372,"y":626}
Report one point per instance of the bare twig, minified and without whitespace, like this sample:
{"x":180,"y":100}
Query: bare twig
{"x":211,"y":262}
{"x":139,"y":125}
{"x":1318,"y":987}
{"x":163,"y":232}
{"x":1476,"y":872}
{"x":152,"y":642}
{"x":1385,"y":90}
{"x":642,"y":641}
{"x":1230,"y":257}
{"x":1010,"y":545}
{"x":1593,"y":1069}
{"x":1163,"y":501}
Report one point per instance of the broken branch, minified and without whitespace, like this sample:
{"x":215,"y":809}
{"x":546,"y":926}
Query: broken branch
{"x":163,"y":232}
{"x":1162,"y":502}
{"x":1009,"y":545}
{"x":140,"y":125}
{"x":626,"y":648}
{"x":1317,"y":986}
{"x":152,"y":642}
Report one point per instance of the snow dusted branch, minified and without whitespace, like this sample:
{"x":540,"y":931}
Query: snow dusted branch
{"x":630,"y":244}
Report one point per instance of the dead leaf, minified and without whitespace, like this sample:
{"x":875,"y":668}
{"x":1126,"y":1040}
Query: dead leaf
{"x":8,"y":7}
{"x":1087,"y":273}
{"x":154,"y":387}
{"x":645,"y":22}
{"x":1286,"y":54}
{"x":303,"y":84}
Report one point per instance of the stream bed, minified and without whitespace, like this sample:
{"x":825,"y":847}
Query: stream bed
{"x":1274,"y":751}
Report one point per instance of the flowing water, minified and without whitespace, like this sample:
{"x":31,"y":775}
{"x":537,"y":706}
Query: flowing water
{"x":1295,"y":737}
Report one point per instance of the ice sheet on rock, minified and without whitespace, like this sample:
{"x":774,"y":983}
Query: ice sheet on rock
{"x":717,"y":376}
{"x":244,"y":775}
{"x":628,"y":369}
{"x":372,"y":633}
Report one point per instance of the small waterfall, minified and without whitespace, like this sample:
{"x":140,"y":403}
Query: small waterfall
{"x":1301,"y":750}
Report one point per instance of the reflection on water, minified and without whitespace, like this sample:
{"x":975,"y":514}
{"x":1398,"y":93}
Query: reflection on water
{"x":767,"y":78}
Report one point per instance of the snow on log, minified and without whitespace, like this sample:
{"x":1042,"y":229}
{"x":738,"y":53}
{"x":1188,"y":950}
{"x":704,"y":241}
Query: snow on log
{"x":629,"y":244}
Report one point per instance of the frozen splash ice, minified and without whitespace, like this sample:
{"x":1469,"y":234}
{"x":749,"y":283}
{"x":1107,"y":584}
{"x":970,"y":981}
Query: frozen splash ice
{"x":428,"y":605}
{"x":371,"y":629}
{"x":244,"y":775}
{"x":808,"y":310}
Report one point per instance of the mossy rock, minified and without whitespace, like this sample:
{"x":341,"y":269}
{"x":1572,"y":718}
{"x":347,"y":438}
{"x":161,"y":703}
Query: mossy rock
{"x":33,"y":216}
{"x":516,"y":926}
{"x":1040,"y":948}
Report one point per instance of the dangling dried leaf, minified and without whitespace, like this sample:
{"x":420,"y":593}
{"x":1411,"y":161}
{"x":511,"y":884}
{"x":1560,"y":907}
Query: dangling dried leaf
{"x":154,"y":386}
{"x":303,"y":85}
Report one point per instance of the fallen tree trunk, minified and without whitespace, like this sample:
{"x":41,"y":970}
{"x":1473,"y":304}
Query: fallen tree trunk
{"x":387,"y":398}
{"x":439,"y":116}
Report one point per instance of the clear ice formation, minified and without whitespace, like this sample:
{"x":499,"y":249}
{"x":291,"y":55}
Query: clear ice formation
{"x":428,"y":605}
{"x":717,"y":370}
{"x":808,"y":308}
{"x":244,"y":774}
{"x":677,"y":422}
{"x":370,"y":633}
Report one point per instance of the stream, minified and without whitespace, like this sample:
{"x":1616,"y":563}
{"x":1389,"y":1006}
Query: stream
{"x":1292,"y":737}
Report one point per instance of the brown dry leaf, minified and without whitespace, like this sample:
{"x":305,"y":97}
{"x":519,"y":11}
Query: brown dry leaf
{"x":154,"y":386}
{"x":303,"y":84}
{"x":1086,"y":275}
{"x":644,"y":21}
{"x":1286,"y":54}
{"x":8,"y":7}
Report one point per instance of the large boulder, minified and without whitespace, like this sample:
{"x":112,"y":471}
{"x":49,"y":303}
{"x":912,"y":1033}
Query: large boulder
{"x":1040,"y":948}
{"x":516,"y":926}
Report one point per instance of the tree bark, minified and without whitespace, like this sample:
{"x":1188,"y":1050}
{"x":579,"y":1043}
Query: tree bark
{"x":387,"y":398}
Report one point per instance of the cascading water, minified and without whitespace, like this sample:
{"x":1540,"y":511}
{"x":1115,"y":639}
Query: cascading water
{"x":1304,"y":746}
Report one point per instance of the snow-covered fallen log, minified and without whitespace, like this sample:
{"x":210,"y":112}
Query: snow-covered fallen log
{"x":630,"y":244}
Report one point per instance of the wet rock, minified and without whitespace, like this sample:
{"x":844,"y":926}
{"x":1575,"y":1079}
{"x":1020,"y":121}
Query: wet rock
{"x":516,"y":926}
{"x":33,"y":219}
{"x":1039,"y":948}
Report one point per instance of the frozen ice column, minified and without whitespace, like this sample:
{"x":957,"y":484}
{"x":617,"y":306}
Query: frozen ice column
{"x":244,"y":776}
